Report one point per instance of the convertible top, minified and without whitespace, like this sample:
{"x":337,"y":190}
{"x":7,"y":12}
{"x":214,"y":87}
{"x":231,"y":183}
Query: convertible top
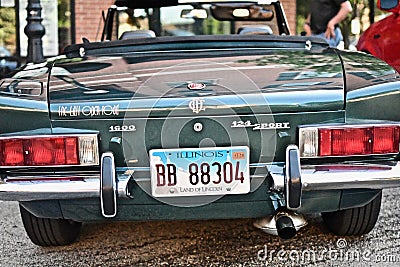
{"x":142,"y":44}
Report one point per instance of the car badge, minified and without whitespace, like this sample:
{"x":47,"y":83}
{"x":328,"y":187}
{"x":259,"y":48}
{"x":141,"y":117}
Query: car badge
{"x":196,"y":86}
{"x":197,"y":105}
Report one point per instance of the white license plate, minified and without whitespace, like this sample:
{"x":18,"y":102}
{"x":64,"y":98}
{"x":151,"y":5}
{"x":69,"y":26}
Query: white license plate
{"x":199,"y":171}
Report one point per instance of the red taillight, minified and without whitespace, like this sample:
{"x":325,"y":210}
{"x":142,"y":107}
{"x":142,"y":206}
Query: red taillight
{"x":325,"y":141}
{"x":71,"y":151}
{"x":386,"y":140}
{"x":39,"y":151}
{"x":14,"y":152}
{"x":358,"y":141}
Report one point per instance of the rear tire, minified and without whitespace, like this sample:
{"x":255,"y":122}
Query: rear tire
{"x":49,"y":232}
{"x":354,"y":221}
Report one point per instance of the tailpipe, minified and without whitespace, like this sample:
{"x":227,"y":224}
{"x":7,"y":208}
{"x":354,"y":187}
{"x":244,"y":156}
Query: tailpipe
{"x":284,"y":224}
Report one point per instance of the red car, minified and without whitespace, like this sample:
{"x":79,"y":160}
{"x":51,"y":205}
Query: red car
{"x":382,"y":39}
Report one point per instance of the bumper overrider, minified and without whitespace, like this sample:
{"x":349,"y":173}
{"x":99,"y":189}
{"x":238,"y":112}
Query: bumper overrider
{"x":112,"y":183}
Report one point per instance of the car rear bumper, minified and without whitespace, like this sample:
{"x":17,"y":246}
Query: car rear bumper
{"x":342,"y":176}
{"x":28,"y":188}
{"x":314,"y":178}
{"x":310,"y":178}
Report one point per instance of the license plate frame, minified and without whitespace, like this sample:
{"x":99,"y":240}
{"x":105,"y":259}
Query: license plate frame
{"x":219,"y":171}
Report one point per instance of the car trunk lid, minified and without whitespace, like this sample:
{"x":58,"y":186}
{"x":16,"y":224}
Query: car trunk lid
{"x":224,"y":97}
{"x":214,"y":82}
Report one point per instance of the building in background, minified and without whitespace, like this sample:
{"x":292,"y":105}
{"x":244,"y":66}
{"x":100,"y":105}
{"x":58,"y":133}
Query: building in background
{"x":88,"y":21}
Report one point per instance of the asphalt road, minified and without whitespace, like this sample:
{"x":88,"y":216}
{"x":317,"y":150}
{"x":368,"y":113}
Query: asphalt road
{"x":205,"y":243}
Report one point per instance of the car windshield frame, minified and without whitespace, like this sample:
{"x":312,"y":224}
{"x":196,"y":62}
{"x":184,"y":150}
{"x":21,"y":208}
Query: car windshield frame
{"x":155,"y":17}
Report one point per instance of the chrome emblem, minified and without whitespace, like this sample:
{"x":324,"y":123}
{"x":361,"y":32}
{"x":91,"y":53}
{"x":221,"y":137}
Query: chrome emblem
{"x":197,"y":105}
{"x":196,"y":86}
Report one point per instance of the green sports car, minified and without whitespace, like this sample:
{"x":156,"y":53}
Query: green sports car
{"x":199,"y":110}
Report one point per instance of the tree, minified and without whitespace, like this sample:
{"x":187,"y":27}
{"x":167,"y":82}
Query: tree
{"x":7,"y":28}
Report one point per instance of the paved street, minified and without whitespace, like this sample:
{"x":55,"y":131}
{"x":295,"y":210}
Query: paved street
{"x":205,"y":243}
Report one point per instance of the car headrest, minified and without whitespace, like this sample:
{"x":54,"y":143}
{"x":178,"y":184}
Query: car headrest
{"x":256,"y":29}
{"x":137,"y":34}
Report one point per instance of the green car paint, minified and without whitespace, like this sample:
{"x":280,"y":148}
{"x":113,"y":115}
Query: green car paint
{"x":140,"y":88}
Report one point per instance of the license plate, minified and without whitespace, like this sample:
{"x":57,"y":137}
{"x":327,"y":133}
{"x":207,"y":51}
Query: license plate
{"x":199,"y":171}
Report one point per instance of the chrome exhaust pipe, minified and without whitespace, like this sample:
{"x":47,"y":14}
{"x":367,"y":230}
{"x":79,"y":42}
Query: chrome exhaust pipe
{"x":284,"y":223}
{"x":284,"y":226}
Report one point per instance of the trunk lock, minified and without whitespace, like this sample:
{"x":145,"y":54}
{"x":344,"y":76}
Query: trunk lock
{"x":198,"y":127}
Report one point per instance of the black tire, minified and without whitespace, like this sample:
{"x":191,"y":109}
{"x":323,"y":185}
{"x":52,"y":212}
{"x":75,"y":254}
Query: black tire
{"x":49,"y":232}
{"x":354,"y":221}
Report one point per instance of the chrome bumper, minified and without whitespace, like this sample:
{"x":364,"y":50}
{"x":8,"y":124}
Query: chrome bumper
{"x":341,"y":176}
{"x":57,"y":187}
{"x":293,"y":179}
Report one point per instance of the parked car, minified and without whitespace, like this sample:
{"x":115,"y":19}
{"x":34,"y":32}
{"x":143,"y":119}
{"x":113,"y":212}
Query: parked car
{"x":382,"y":38}
{"x":258,"y":124}
{"x":7,"y":62}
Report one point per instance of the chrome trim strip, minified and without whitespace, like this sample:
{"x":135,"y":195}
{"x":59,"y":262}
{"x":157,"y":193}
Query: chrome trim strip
{"x":349,"y":125}
{"x":50,"y":177}
{"x":41,"y":190}
{"x":47,"y":135}
{"x":341,"y":176}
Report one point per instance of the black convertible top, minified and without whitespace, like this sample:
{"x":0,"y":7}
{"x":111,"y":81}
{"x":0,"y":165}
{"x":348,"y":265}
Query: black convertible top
{"x":188,"y":42}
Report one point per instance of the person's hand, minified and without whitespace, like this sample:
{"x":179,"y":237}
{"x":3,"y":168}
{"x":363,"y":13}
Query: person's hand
{"x":330,"y":30}
{"x":307,"y":29}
